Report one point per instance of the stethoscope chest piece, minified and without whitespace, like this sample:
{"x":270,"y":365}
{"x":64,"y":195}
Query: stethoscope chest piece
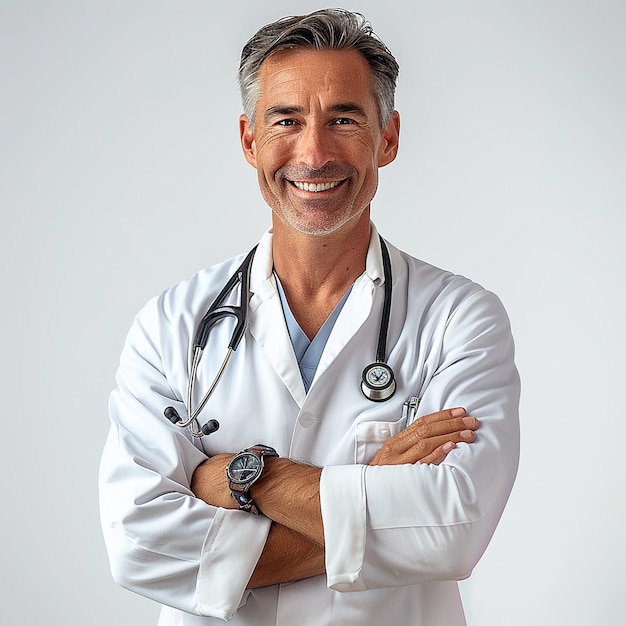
{"x":378,"y":382}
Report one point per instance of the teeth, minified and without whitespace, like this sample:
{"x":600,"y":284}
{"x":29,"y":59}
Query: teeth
{"x":315,"y":187}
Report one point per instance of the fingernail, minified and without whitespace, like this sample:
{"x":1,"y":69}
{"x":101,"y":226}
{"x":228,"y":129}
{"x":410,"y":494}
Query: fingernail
{"x":458,"y":412}
{"x":448,"y":446}
{"x":466,"y":434}
{"x":469,"y":420}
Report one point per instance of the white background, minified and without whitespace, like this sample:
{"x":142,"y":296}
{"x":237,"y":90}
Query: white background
{"x":121,"y":174}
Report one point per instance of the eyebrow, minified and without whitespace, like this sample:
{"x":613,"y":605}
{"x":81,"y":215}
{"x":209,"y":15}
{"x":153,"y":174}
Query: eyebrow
{"x":280,"y":110}
{"x":348,"y":107}
{"x":341,"y":107}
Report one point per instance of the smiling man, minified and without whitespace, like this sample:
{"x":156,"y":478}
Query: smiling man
{"x":318,"y":143}
{"x":368,"y":428}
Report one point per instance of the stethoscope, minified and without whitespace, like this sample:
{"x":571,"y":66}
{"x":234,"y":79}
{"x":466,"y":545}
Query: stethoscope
{"x":377,"y":380}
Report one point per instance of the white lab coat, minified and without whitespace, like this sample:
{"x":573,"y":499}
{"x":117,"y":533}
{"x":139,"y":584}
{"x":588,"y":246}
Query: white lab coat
{"x":397,"y":537}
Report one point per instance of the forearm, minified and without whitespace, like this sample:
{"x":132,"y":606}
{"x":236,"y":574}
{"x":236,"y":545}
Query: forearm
{"x":289,"y":494}
{"x":287,"y":557}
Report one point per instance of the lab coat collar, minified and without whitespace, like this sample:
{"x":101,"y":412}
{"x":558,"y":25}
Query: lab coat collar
{"x":261,"y":279}
{"x":374,"y":260}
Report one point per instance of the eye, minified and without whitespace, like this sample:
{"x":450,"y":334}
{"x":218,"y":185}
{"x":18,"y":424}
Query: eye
{"x":286,"y":122}
{"x":343,"y":121}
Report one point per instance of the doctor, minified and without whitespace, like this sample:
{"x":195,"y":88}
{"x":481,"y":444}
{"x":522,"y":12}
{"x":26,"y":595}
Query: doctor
{"x":342,"y":514}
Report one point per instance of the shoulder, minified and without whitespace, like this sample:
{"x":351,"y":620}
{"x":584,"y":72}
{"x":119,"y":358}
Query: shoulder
{"x":441,"y":293}
{"x":180,"y":305}
{"x":421,"y":276}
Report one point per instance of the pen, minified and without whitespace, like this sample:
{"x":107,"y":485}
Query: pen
{"x":409,"y":410}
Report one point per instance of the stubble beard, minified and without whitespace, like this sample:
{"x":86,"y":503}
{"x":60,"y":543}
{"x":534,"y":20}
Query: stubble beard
{"x":315,"y":217}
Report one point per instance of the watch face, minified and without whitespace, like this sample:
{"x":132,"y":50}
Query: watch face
{"x":377,"y":376}
{"x":244,"y":468}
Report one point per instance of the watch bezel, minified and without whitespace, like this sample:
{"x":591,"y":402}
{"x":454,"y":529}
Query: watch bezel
{"x":256,"y":470}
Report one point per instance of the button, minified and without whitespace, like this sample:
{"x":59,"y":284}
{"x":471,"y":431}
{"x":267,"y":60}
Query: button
{"x":307,"y":419}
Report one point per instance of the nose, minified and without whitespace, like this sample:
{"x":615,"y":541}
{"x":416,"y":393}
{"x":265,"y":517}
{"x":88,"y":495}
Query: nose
{"x":316,"y":147}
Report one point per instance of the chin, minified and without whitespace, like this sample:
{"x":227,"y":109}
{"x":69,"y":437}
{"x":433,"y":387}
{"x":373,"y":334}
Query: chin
{"x":317,"y":225}
{"x":317,"y":228}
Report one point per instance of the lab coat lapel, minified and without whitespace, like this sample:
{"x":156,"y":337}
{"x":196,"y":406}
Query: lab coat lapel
{"x":267,"y":322}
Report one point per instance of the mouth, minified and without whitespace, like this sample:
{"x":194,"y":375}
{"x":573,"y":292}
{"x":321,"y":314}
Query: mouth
{"x":316,"y":187}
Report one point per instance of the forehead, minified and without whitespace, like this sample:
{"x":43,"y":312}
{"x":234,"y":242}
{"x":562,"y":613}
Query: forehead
{"x":304,"y":72}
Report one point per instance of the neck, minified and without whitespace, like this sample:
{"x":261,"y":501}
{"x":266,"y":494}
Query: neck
{"x":316,"y":271}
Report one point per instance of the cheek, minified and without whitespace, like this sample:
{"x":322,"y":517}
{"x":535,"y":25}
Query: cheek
{"x":361,"y":151}
{"x":271,"y":155}
{"x":271,"y":146}
{"x":368,"y":147}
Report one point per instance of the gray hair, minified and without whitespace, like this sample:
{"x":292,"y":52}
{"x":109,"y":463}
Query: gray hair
{"x":328,"y":29}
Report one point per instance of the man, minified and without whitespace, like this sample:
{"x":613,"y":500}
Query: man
{"x":346,"y":513}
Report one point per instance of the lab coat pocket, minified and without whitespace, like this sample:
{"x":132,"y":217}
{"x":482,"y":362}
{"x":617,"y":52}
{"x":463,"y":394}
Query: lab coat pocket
{"x":371,"y":435}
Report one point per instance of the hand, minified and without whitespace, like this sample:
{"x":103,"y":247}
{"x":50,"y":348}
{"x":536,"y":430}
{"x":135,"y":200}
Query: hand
{"x":429,"y":439}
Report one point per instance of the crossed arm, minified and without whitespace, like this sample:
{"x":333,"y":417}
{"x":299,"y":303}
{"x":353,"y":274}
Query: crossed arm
{"x":288,"y":493}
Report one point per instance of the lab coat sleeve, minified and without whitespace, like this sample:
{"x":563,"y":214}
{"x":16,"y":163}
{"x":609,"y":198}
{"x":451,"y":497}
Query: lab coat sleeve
{"x":397,"y":525}
{"x":162,"y":541}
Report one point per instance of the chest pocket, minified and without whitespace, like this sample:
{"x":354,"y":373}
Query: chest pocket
{"x":371,"y":435}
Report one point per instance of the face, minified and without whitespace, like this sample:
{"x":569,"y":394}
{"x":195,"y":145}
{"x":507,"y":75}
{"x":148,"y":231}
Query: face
{"x":317,"y":142}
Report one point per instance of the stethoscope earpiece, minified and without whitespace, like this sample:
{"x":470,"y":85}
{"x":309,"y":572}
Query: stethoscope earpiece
{"x":172,"y":415}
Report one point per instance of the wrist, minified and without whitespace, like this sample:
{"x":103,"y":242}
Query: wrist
{"x":243,"y":471}
{"x":208,"y":484}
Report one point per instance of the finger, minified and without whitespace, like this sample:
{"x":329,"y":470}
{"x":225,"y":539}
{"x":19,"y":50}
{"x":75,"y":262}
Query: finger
{"x":445,"y":414}
{"x":420,"y":430}
{"x":425,"y":447}
{"x":432,"y":423}
{"x":425,"y":429}
{"x":427,"y":433}
{"x":438,"y":455}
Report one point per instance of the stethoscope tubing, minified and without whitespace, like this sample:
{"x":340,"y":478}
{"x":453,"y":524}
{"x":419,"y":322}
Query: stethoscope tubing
{"x":194,"y":368}
{"x":381,"y":350}
{"x":215,"y":313}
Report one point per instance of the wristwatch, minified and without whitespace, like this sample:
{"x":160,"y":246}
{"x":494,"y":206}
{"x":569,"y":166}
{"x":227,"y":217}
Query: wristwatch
{"x":244,"y":469}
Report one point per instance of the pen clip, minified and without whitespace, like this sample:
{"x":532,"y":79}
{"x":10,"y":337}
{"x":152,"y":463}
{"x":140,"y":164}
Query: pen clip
{"x":409,"y":410}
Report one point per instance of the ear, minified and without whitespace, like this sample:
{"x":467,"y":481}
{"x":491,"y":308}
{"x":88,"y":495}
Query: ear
{"x":390,"y":140}
{"x":248,"y":144}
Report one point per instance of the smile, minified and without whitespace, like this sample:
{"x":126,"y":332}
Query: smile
{"x":315,"y":187}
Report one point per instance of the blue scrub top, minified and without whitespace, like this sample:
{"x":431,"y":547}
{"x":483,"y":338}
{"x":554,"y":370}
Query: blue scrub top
{"x":308,"y":353}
